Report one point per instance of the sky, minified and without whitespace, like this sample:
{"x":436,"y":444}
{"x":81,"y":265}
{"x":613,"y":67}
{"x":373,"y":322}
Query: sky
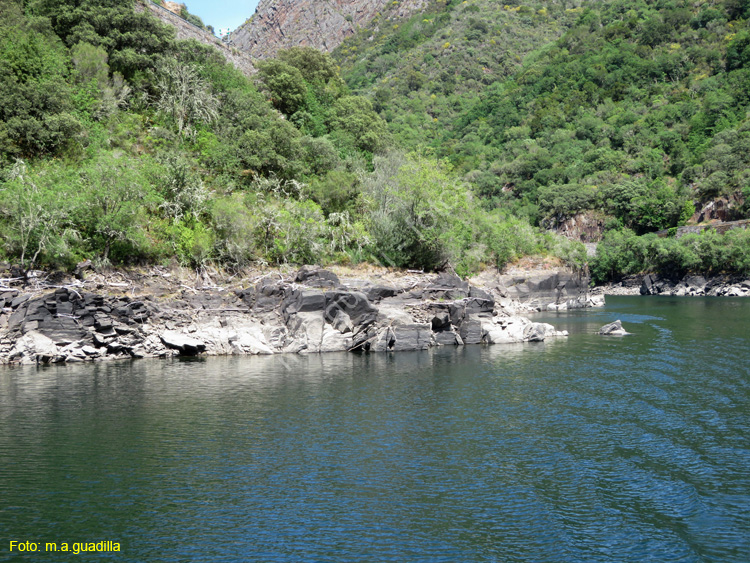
{"x":222,"y":14}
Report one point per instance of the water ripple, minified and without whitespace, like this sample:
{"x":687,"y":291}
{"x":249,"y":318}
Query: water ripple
{"x":579,"y":450}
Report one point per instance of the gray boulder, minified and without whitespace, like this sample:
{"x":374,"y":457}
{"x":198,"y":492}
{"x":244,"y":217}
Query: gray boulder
{"x":613,"y":329}
{"x":378,"y":292}
{"x":268,"y":295}
{"x":354,"y":303}
{"x":471,"y":330}
{"x":535,"y":332}
{"x":411,"y":337}
{"x":447,"y":338}
{"x":447,"y":286}
{"x":441,"y":321}
{"x":303,"y":301}
{"x":314,"y":276}
{"x":183,"y":344}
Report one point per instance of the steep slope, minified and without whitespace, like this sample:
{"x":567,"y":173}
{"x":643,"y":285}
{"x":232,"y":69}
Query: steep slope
{"x":424,"y":72}
{"x":170,"y":14}
{"x":632,"y":116}
{"x":638,"y":110}
{"x":322,"y":24}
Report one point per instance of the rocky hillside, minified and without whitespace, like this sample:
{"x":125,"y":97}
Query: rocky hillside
{"x":322,"y":24}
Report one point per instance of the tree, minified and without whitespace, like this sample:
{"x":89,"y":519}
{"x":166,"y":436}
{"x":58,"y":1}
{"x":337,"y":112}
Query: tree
{"x":34,"y":210}
{"x":285,"y":83}
{"x":416,"y":204}
{"x":35,"y":99}
{"x":315,"y":66}
{"x":92,"y":74}
{"x":738,"y":51}
{"x":115,"y":194}
{"x":184,"y":96}
{"x":131,"y":39}
{"x":354,"y":115}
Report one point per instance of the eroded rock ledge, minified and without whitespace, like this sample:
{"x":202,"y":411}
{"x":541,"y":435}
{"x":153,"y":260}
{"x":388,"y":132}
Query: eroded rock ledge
{"x":311,"y":311}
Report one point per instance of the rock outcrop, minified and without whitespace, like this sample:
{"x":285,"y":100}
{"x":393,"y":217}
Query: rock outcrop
{"x":719,"y":286}
{"x":322,"y":24}
{"x":553,"y":291}
{"x":312,"y":311}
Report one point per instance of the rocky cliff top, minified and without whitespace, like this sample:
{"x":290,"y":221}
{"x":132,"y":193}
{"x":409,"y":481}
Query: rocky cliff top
{"x":322,"y":24}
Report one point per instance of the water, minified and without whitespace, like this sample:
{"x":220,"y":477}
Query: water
{"x":581,"y":449}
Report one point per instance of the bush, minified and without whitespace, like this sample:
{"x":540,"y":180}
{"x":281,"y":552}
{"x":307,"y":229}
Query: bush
{"x":236,"y":228}
{"x":414,"y":204}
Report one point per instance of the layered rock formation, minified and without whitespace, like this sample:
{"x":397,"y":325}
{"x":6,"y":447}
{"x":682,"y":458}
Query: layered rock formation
{"x":312,"y":312}
{"x":323,"y":24}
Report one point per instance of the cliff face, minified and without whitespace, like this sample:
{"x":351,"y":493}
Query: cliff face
{"x":186,"y":30}
{"x":323,"y":24}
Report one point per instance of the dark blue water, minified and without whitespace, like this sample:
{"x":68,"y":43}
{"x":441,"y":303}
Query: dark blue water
{"x":581,"y":449}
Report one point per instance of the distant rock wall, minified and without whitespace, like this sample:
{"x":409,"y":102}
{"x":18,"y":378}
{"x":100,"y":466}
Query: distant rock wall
{"x":717,"y":286}
{"x":186,"y":30}
{"x":554,"y":291}
{"x":322,"y":24}
{"x":587,"y":226}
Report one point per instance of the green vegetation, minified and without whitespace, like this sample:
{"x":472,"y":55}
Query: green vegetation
{"x":453,"y":138}
{"x":623,"y":253}
{"x":636,"y":110}
{"x":122,"y":145}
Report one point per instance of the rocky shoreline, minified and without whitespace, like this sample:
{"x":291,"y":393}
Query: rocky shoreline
{"x":691,"y":285}
{"x":312,"y":310}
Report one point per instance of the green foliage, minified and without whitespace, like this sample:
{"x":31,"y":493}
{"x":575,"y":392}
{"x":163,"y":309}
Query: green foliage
{"x":35,"y":99}
{"x":623,"y":253}
{"x":285,"y":84}
{"x":194,"y":242}
{"x":354,"y":116}
{"x":34,"y":209}
{"x":738,"y":51}
{"x":184,"y":194}
{"x":454,"y":133}
{"x":192,"y":18}
{"x":317,"y":68}
{"x":183,"y":96}
{"x":630,"y":110}
{"x":115,"y":194}
{"x":235,"y":225}
{"x":337,"y":191}
{"x":131,"y":39}
{"x":415,"y":202}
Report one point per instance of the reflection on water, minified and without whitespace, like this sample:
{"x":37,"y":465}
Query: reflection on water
{"x":577,"y":449}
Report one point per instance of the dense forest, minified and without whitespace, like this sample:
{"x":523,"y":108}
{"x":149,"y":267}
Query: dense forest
{"x":633,"y":112}
{"x":124,"y":146}
{"x":454,"y":139}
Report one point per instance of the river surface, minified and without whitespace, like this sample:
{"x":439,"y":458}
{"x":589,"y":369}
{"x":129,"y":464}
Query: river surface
{"x":589,"y":448}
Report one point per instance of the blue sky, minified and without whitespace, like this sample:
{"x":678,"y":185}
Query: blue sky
{"x":222,"y":14}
